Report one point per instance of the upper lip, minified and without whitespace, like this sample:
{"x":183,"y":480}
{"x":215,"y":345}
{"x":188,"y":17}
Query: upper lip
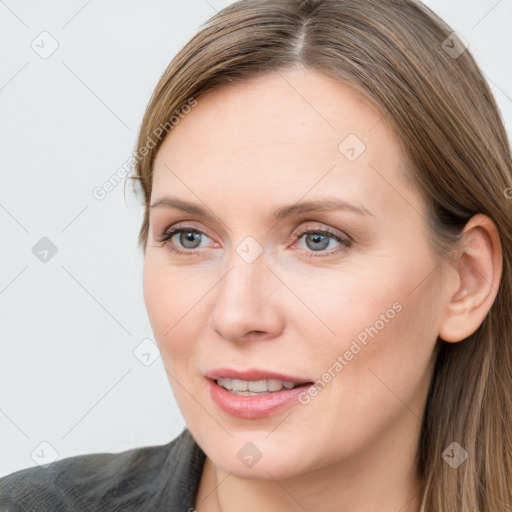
{"x":252,"y":374}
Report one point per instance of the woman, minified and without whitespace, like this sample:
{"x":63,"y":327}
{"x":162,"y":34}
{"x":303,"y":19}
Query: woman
{"x":327,"y":241}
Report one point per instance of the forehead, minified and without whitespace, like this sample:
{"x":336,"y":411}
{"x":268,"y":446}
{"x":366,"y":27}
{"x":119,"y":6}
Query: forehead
{"x":293,"y":131}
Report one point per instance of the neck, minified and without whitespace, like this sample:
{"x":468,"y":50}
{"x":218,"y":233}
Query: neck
{"x":381,"y":478}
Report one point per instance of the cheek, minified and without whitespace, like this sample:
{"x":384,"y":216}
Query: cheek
{"x":387,"y":296}
{"x":176,"y":301}
{"x":383,"y":332}
{"x":159,"y":299}
{"x":346,"y":305}
{"x":381,"y":360}
{"x":165,"y":301}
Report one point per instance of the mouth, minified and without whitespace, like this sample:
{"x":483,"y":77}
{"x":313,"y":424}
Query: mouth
{"x":255,"y":382}
{"x":256,"y":387}
{"x":254,"y":393}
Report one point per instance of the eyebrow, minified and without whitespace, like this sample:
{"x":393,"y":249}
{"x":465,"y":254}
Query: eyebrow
{"x":327,"y":204}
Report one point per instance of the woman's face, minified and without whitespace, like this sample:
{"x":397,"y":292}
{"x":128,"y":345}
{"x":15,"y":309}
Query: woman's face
{"x":354,"y":306}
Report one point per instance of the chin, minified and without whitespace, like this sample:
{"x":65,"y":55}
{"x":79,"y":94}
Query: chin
{"x":255,"y":455}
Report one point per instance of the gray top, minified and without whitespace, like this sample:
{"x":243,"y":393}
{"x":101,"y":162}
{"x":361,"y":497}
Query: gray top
{"x":162,"y":478}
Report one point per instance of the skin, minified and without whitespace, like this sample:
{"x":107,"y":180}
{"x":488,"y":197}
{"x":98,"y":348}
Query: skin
{"x":243,"y":151}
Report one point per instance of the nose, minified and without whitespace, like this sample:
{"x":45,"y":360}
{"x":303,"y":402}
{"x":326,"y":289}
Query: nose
{"x":246,"y":303}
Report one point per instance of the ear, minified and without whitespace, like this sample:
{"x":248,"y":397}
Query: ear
{"x":479,"y":268}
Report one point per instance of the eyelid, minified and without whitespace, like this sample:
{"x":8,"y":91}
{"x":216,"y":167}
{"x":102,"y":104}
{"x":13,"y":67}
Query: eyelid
{"x":184,"y":225}
{"x":336,"y":233}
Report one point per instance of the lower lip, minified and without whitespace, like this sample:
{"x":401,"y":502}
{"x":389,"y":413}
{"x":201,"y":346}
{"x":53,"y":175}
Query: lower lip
{"x":253,"y":407}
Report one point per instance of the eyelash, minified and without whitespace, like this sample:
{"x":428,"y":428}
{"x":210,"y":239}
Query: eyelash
{"x":345,"y":241}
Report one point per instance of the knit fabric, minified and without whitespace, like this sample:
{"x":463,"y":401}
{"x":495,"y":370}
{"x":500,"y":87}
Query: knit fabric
{"x":162,"y":478}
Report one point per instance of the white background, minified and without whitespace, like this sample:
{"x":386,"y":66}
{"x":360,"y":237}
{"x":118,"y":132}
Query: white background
{"x":68,"y":374}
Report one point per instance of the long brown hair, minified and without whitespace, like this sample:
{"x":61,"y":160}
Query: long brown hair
{"x":405,"y":60}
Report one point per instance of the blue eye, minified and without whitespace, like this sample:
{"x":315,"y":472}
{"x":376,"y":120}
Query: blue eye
{"x":187,"y":236}
{"x":317,"y":240}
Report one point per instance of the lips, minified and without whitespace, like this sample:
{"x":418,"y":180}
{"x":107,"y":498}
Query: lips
{"x":253,"y":375}
{"x":253,"y":407}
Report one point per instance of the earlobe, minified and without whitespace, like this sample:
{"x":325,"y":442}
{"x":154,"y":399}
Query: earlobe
{"x":479,"y":268}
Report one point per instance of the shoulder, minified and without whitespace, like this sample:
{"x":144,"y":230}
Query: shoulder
{"x":151,"y":478}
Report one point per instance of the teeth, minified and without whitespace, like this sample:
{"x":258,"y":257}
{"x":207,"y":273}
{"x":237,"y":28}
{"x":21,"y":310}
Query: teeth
{"x":274,"y":385}
{"x":238,"y":385}
{"x":255,"y":387}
